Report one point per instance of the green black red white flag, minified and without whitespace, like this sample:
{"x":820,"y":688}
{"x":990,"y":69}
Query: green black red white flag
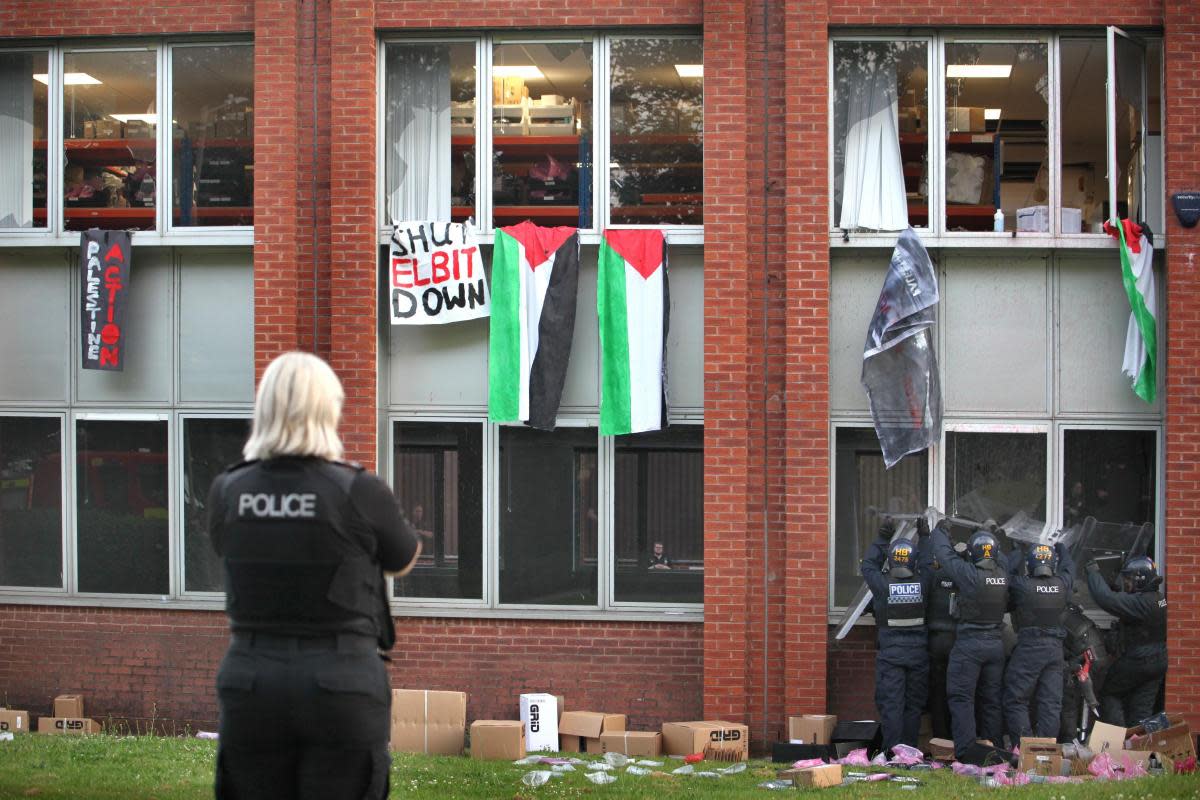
{"x":1141,"y":335}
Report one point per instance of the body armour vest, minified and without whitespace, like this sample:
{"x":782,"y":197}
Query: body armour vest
{"x":295,"y":562}
{"x":988,"y":602}
{"x":1150,"y":631}
{"x":905,"y":603}
{"x":939,"y":616}
{"x":1044,"y":605}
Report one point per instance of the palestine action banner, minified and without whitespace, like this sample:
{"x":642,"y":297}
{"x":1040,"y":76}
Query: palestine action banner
{"x":633,"y":303}
{"x":104,"y":262}
{"x":435,"y":274}
{"x":535,"y":277}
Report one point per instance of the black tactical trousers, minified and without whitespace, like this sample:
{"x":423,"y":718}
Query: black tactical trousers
{"x":901,"y":687}
{"x":1034,"y":671}
{"x":303,"y":719}
{"x":976,"y":672}
{"x":1131,"y":686}
{"x":940,"y":645}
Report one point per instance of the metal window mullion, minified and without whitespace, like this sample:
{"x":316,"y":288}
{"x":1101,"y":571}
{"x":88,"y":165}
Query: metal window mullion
{"x":71,"y":505}
{"x":492,"y":532}
{"x":162,"y":193}
{"x":483,"y":134}
{"x":606,"y":496}
{"x":936,"y":202}
{"x":601,"y":132}
{"x":1054,"y":149}
{"x":55,"y":148}
{"x":381,"y":210}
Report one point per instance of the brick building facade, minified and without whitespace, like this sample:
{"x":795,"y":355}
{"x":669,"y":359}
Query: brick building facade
{"x":762,"y":647}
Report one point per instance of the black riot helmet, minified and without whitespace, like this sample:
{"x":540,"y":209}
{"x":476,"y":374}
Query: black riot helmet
{"x":1041,"y":561}
{"x":901,"y":558}
{"x":1139,"y":574}
{"x":984,"y":549}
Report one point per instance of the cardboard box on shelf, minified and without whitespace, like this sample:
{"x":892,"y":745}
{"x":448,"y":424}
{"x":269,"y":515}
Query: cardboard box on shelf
{"x":811,"y":728}
{"x":428,"y":721}
{"x":68,"y":705}
{"x":14,"y":721}
{"x":138,"y":129}
{"x":108,"y":128}
{"x":632,"y":743}
{"x":818,"y":777}
{"x":1071,"y":220}
{"x":497,"y":739}
{"x":965,"y":119}
{"x":686,"y":738}
{"x":67,"y":725}
{"x":1175,"y":742}
{"x":89,"y":129}
{"x":539,"y":712}
{"x":1041,"y":756}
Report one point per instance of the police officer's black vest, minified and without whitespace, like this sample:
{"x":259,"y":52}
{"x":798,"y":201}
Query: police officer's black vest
{"x":938,"y":616}
{"x":904,"y":606}
{"x":1148,"y":632}
{"x":1044,"y":605}
{"x":986,"y":604}
{"x":297,"y":559}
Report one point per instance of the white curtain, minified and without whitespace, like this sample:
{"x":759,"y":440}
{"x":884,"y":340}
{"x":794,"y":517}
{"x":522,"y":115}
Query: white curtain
{"x":16,"y":140}
{"x":418,"y":132}
{"x":873,"y":194}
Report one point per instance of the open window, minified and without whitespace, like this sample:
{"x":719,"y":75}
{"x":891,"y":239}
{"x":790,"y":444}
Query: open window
{"x":1126,"y":126}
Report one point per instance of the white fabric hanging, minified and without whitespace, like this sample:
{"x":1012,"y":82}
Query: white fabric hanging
{"x":16,"y":140}
{"x":418,"y":131}
{"x":873,"y":194}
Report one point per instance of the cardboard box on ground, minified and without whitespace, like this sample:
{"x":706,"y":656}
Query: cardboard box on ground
{"x":818,"y":777}
{"x":68,"y":705}
{"x":497,"y":739}
{"x":14,"y":720}
{"x":539,"y":712}
{"x":811,"y":728}
{"x":715,"y":737}
{"x":428,"y":722}
{"x":632,"y":743}
{"x":579,"y":731}
{"x":67,"y":725}
{"x":1041,"y":756}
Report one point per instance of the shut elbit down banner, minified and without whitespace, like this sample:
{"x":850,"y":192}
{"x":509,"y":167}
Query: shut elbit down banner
{"x":104,"y":261}
{"x":435,"y":274}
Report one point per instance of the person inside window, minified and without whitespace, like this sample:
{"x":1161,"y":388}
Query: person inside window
{"x":658,"y":558}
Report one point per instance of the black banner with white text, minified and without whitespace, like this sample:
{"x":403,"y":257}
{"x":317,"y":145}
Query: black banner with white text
{"x":104,"y":262}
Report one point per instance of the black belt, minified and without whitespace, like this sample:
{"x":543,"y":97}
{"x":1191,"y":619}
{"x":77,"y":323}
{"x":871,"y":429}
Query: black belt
{"x":344,"y":642}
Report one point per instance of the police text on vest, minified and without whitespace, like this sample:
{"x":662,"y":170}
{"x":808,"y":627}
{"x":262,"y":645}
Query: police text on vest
{"x":277,"y":506}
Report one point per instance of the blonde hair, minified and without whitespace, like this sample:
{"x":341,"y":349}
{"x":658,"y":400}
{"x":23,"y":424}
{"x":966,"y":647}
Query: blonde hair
{"x":296,"y":410}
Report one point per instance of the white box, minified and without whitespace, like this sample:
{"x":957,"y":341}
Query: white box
{"x":1033,"y":219}
{"x":539,"y":712}
{"x":1071,"y":221}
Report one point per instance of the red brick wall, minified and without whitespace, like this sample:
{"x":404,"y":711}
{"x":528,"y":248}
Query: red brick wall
{"x":44,"y":18}
{"x":1182,"y":57}
{"x":993,"y":13}
{"x":851,"y":667}
{"x":400,"y":14}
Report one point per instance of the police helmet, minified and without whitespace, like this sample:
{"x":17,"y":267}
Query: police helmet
{"x":1139,"y":573}
{"x":1041,"y":560}
{"x":984,"y":548}
{"x":901,"y":558}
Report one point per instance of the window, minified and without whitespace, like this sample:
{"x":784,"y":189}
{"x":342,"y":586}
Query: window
{"x":998,"y":476}
{"x":209,"y":447}
{"x":551,"y":123}
{"x":1082,"y":65}
{"x":24,"y":122}
{"x":31,"y":502}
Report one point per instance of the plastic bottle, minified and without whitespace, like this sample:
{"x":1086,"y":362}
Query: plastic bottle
{"x":998,"y":221}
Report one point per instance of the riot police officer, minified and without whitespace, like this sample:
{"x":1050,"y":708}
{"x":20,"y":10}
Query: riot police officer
{"x":304,"y":541}
{"x":976,"y":666}
{"x":902,"y":666}
{"x":940,"y":620}
{"x":1038,"y":601}
{"x":1132,"y":683}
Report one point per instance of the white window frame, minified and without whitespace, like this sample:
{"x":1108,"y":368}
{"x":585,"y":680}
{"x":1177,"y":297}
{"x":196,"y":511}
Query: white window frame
{"x":66,"y":512}
{"x":53,"y":165}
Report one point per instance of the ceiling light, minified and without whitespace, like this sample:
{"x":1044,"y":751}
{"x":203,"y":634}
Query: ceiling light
{"x":150,"y":118}
{"x":992,"y":113}
{"x":527,"y":71}
{"x":69,"y":79}
{"x":690,"y":70}
{"x":978,"y":70}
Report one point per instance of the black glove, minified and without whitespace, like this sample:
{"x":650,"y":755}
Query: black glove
{"x":922,"y":526}
{"x":1093,"y":566}
{"x":887,"y":529}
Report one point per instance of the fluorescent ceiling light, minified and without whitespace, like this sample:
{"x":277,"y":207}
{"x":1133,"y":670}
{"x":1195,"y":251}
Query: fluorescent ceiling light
{"x":992,"y":113}
{"x":978,"y":70}
{"x":527,"y":71}
{"x":690,"y":70}
{"x":150,"y":118}
{"x":69,"y":79}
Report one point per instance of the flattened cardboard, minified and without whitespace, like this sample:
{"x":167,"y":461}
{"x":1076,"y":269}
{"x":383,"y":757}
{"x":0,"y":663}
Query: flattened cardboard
{"x":539,"y":712}
{"x":811,"y":729}
{"x":496,"y":739}
{"x":686,"y":738}
{"x":632,"y":743}
{"x":14,"y":721}
{"x":590,"y":724}
{"x":818,"y":777}
{"x":428,"y":722}
{"x":68,"y":705}
{"x":69,"y":726}
{"x":1105,"y":737}
{"x":1040,"y":756}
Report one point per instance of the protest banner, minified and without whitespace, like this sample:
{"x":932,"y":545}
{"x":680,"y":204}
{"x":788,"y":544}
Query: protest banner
{"x":435,"y":274}
{"x":104,"y":262}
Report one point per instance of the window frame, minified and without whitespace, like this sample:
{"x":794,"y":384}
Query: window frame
{"x":53,"y":126}
{"x":66,"y":507}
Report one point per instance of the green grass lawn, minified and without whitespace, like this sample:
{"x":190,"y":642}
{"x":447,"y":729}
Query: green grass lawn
{"x":141,"y":768}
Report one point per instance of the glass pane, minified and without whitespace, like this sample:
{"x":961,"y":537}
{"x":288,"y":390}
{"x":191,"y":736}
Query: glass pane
{"x":31,"y":501}
{"x":659,"y":516}
{"x":880,"y":135}
{"x":24,"y":85}
{"x":1131,"y":107}
{"x":656,"y":117}
{"x":212,"y":95}
{"x":122,"y":506}
{"x":429,"y":134}
{"x":109,"y":127}
{"x":542,"y":133}
{"x":1109,"y":495}
{"x":548,"y":516}
{"x":865,"y":486}
{"x":998,"y":476}
{"x":1084,"y":190}
{"x":997,"y":156}
{"x":209,"y":446}
{"x":438,"y":479}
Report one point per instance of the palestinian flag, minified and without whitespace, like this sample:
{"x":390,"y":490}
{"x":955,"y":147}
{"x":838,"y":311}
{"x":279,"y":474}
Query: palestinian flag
{"x":634,"y":307}
{"x":535,"y":277}
{"x":1141,"y":335}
